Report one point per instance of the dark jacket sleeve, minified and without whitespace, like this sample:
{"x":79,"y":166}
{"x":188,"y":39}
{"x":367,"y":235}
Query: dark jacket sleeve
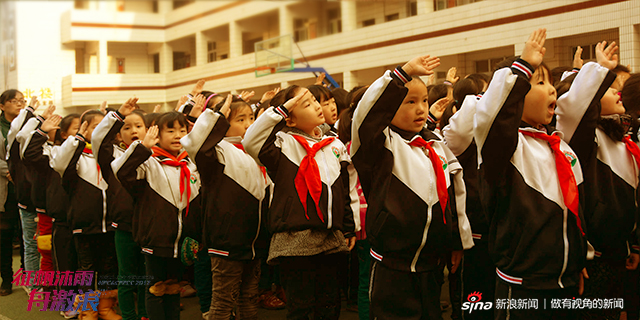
{"x":129,"y":168}
{"x":201,"y":142}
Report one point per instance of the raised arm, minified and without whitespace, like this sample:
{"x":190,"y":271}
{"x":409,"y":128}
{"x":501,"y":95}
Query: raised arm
{"x":200,"y":143}
{"x":65,"y":161}
{"x":579,"y":109}
{"x":458,"y":134}
{"x":499,"y":112}
{"x":260,"y":139}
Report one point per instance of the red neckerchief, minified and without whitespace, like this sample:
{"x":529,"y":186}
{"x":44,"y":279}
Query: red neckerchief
{"x":566,"y":178}
{"x":633,"y":148}
{"x":262,"y":168}
{"x":185,"y":173}
{"x":308,"y":176}
{"x":87,"y":149}
{"x":441,"y":181}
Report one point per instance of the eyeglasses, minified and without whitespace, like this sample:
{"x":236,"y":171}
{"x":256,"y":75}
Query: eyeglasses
{"x":16,"y":101}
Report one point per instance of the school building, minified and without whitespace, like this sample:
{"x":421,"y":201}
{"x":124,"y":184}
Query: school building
{"x":79,"y":53}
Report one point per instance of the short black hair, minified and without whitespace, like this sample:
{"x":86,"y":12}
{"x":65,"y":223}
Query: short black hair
{"x":89,"y":115}
{"x":65,"y":123}
{"x":168,"y":119}
{"x":321,"y":93}
{"x":236,"y":104}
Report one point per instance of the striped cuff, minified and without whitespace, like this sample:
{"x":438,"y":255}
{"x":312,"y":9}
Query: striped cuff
{"x":40,"y":118}
{"x":30,"y":109}
{"x":118,"y":116}
{"x":447,"y":82}
{"x":523,"y":67}
{"x":281,"y":110}
{"x":431,"y":118}
{"x":80,"y":137}
{"x":400,"y":74}
{"x":575,"y":70}
{"x":42,"y":132}
{"x":635,"y":248}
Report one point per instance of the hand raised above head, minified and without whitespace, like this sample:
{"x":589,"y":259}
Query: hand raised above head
{"x":605,"y":55}
{"x":151,"y":138}
{"x":534,"y":49}
{"x":128,"y":106}
{"x":51,"y":123}
{"x":226,"y":107}
{"x":421,"y":66}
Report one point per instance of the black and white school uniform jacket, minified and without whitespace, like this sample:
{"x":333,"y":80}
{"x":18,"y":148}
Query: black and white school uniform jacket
{"x":281,"y":154}
{"x":610,"y":171}
{"x":534,"y":240}
{"x":37,"y":152}
{"x":86,"y":187}
{"x":121,"y":204}
{"x":22,"y":178}
{"x":405,"y":221}
{"x":160,"y":218}
{"x":458,"y":136}
{"x":235,"y":191}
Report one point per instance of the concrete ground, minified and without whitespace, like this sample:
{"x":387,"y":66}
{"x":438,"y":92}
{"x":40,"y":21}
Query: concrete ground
{"x":14,"y":306}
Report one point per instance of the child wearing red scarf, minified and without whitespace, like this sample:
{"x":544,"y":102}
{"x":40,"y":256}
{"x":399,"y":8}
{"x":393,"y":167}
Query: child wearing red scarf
{"x":312,"y":213}
{"x":165,"y":186}
{"x":127,"y":124}
{"x":89,"y":198}
{"x":237,"y":193}
{"x":592,"y":117}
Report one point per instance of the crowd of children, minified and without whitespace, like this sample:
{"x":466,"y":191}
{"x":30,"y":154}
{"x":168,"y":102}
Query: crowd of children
{"x":271,"y":202}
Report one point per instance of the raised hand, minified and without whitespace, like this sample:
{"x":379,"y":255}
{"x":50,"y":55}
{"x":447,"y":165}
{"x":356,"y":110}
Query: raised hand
{"x":438,"y":107}
{"x":181,"y":101}
{"x":246,"y":95}
{"x":197,"y":89}
{"x":320,"y":79}
{"x":534,"y":49}
{"x":199,"y":106}
{"x":52,"y":123}
{"x":226,"y":107}
{"x":421,"y":66}
{"x":128,"y":106}
{"x":293,"y":102}
{"x":605,"y":55}
{"x":451,"y":75}
{"x":103,"y":107}
{"x":157,"y":108}
{"x":48,"y":111}
{"x":84,"y":128}
{"x":34,"y":103}
{"x":577,"y":58}
{"x":269,"y":95}
{"x":151,"y":138}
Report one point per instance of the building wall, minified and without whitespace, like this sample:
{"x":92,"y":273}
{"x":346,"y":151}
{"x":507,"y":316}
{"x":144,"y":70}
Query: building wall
{"x":461,"y":36}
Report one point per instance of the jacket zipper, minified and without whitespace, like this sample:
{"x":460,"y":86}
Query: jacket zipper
{"x":426,"y":228}
{"x":104,"y":211}
{"x":566,"y":247}
{"x":329,"y":193}
{"x":175,"y":244}
{"x":253,"y":243}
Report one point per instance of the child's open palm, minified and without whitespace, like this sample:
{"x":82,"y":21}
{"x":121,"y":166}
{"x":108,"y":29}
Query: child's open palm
{"x":34,"y":103}
{"x":151,"y":138}
{"x":438,"y":107}
{"x":84,"y":129}
{"x":577,"y":58}
{"x":269,"y":95}
{"x":293,"y":102}
{"x":534,"y":49}
{"x":52,"y":123}
{"x":421,"y":66}
{"x":128,"y":107}
{"x":226,"y":107}
{"x":197,"y":89}
{"x":48,"y":111}
{"x":198,"y":107}
{"x":605,"y":56}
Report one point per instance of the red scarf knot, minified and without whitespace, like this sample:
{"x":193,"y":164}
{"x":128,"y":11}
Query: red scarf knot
{"x":441,"y":181}
{"x":567,"y":180}
{"x":185,"y":173}
{"x":308,"y":176}
{"x":87,"y":149}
